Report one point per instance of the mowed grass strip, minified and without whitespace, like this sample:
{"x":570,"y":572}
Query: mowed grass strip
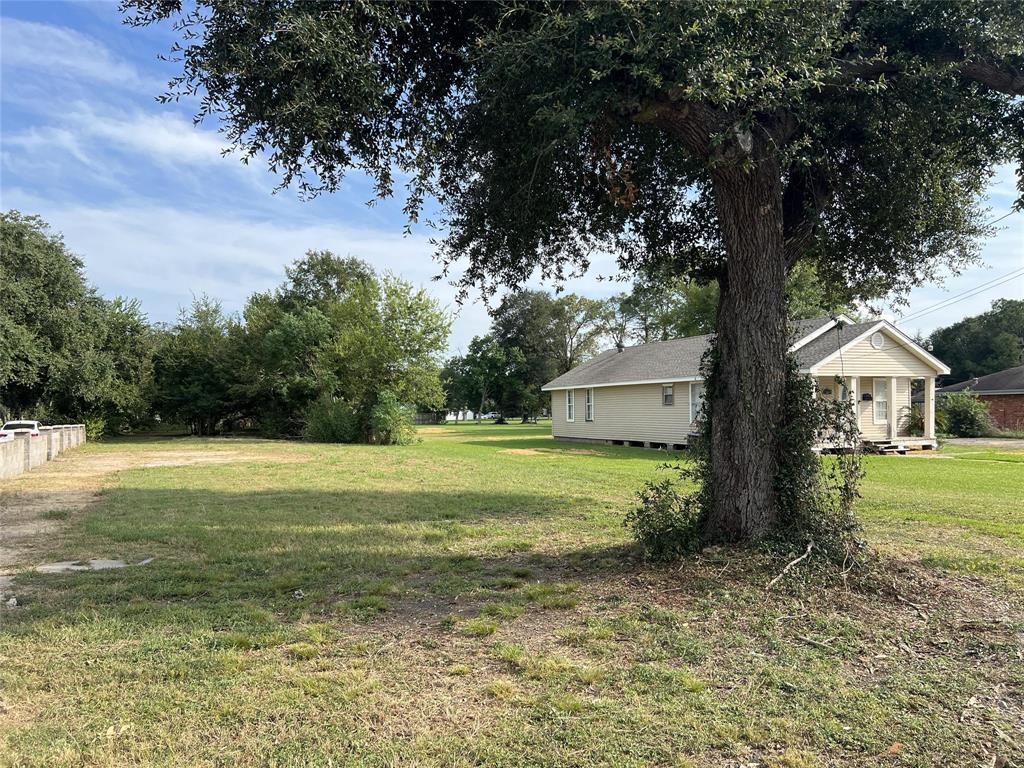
{"x":473,"y":600}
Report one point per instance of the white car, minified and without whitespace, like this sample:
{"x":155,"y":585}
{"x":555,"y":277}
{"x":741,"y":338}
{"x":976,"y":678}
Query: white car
{"x":12,"y":428}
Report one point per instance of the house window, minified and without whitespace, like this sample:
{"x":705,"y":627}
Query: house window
{"x":589,"y":412}
{"x":880,"y":401}
{"x":696,"y":400}
{"x":667,"y":396}
{"x":570,"y":405}
{"x":878,"y":341}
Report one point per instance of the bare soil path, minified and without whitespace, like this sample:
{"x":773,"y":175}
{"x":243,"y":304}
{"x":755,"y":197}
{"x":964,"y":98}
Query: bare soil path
{"x":36,"y":506}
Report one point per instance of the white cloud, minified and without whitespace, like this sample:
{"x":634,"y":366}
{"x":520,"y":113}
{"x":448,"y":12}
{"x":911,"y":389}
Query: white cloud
{"x":114,"y":145}
{"x":63,"y":52}
{"x":165,"y":255}
{"x":162,"y":136}
{"x":43,"y":141}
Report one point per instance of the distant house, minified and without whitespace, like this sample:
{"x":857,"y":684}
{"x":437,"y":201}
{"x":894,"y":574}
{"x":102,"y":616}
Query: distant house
{"x":652,"y":395}
{"x":1002,"y":391}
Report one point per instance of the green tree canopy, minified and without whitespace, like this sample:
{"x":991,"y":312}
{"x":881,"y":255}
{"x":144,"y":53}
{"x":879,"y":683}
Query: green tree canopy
{"x":196,"y":370}
{"x":336,"y":329}
{"x":66,"y":353}
{"x":983,"y":344}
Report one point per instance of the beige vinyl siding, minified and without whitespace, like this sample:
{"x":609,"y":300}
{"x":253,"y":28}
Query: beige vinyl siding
{"x":862,"y":359}
{"x":869,"y":430}
{"x":625,"y":413}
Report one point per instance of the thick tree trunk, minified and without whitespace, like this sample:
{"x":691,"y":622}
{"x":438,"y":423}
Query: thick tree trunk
{"x":747,"y":401}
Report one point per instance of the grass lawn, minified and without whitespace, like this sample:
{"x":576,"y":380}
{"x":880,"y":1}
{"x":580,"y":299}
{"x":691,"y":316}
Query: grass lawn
{"x":473,"y":600}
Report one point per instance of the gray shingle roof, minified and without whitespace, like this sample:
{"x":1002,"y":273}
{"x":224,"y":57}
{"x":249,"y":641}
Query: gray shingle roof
{"x":1009,"y":380}
{"x":680,"y":358}
{"x":818,"y":349}
{"x":661,"y":360}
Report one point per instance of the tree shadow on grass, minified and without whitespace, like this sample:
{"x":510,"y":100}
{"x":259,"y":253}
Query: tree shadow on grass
{"x":563,"y":448}
{"x":220,"y":555}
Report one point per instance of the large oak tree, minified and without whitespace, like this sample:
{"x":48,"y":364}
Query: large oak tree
{"x":725,"y":140}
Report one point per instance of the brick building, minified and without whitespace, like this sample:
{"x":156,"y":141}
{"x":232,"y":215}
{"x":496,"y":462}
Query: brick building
{"x":1003,"y":391}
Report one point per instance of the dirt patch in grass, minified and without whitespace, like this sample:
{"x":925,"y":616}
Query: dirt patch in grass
{"x":36,"y":506}
{"x":551,"y":451}
{"x":704,"y":640}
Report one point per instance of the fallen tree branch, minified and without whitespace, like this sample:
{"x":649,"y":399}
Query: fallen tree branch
{"x":804,"y":556}
{"x":817,"y":643}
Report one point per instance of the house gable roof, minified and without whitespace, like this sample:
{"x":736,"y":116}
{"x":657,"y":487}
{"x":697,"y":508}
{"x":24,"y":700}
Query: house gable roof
{"x":1006,"y":382}
{"x":811,"y":357}
{"x":814,"y":342}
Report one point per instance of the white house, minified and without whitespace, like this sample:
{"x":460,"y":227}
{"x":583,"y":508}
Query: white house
{"x":651,"y":395}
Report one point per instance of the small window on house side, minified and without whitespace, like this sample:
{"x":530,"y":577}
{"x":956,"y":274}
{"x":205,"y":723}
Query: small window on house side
{"x":589,"y":412}
{"x":696,"y":401}
{"x":570,"y":405}
{"x":667,"y":396}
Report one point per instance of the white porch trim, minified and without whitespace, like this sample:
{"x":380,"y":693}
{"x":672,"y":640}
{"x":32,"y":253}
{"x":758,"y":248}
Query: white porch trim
{"x":819,"y":331}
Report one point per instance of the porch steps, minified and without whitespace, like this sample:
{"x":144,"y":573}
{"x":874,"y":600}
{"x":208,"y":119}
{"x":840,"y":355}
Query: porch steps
{"x":889,"y":448}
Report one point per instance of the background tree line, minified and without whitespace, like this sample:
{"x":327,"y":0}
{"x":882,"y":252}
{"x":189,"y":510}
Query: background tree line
{"x":982,"y":344}
{"x":66,"y":353}
{"x":340,"y":353}
{"x":336,"y":352}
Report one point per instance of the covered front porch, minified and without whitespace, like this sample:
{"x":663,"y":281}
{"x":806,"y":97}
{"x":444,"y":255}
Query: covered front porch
{"x":883,"y":406}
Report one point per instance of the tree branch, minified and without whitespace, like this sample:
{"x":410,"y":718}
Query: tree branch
{"x":1005,"y":79}
{"x":803,"y":200}
{"x":693,"y":123}
{"x":804,"y":556}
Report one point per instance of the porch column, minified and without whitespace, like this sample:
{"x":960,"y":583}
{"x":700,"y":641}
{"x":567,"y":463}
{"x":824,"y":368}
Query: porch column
{"x":929,"y":407}
{"x":892,"y":408}
{"x":853,"y":397}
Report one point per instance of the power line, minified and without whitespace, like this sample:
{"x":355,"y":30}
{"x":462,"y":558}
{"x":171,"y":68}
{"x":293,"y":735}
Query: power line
{"x":996,"y":221}
{"x":1012,"y":273}
{"x":950,"y":301}
{"x":962,"y":296}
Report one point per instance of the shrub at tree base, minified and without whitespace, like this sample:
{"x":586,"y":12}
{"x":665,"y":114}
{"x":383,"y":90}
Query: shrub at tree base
{"x":664,"y":521}
{"x":391,"y":422}
{"x":331,"y":421}
{"x":966,"y":415}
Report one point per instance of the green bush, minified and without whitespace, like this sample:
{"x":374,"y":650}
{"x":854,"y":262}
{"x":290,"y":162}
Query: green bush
{"x":330,"y":421}
{"x":391,"y":422}
{"x":95,"y":427}
{"x":664,"y":522}
{"x":966,"y":414}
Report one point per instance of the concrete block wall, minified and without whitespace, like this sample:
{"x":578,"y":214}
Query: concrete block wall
{"x":35,"y":451}
{"x":12,"y":458}
{"x":24,"y":452}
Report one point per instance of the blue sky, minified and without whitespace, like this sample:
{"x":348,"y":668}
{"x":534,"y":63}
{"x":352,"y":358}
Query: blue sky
{"x":157,"y":213}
